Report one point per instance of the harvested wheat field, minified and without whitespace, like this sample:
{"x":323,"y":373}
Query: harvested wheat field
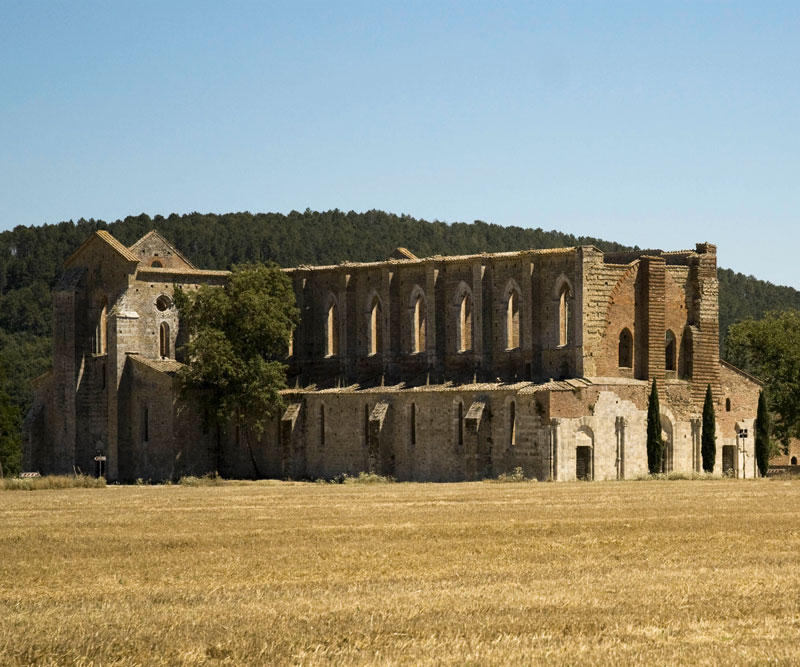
{"x":479,"y":573}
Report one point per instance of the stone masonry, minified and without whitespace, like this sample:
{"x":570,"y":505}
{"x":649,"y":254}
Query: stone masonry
{"x":440,"y":369}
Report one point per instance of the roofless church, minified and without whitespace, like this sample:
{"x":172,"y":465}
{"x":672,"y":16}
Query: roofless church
{"x":430,"y":369}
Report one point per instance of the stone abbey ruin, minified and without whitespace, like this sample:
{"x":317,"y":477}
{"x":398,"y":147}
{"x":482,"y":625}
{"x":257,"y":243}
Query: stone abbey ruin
{"x":430,"y":369}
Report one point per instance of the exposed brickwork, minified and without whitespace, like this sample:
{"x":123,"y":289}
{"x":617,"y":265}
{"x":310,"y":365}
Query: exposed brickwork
{"x":535,"y":384}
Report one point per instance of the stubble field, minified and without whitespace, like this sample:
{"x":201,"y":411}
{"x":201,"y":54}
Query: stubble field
{"x":479,"y":573}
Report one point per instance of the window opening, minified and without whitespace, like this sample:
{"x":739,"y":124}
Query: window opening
{"x":375,"y":326}
{"x":413,"y":428}
{"x":163,"y":303}
{"x":512,"y":321}
{"x":332,"y":331}
{"x":163,"y":335}
{"x":465,"y":324}
{"x":625,"y":349}
{"x":669,"y":350}
{"x":101,"y":329}
{"x":564,"y":332}
{"x":419,"y":325}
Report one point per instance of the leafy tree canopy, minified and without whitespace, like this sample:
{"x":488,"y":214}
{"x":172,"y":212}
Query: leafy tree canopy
{"x":770,"y":349}
{"x":238,"y":334}
{"x":10,"y":442}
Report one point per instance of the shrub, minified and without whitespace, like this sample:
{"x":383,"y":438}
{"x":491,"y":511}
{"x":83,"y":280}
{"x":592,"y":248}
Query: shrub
{"x":368,"y":478}
{"x":516,"y":475}
{"x":209,"y":479}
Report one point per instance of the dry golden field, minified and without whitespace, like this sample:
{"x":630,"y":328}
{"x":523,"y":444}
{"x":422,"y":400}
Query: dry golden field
{"x":480,"y":573}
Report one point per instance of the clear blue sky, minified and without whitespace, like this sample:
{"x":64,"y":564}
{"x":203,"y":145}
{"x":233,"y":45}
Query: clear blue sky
{"x":651,"y":123}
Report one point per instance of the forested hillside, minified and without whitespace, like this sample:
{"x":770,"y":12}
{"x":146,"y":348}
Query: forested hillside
{"x":31,"y":260}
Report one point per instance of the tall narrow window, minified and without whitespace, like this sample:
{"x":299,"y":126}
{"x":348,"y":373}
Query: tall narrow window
{"x":413,"y":424}
{"x":687,"y":351}
{"x":375,"y":326}
{"x":512,"y":321}
{"x":419,"y":325}
{"x":564,"y":306}
{"x":332,"y":330}
{"x":101,"y":328}
{"x":322,"y":425}
{"x":366,"y":425}
{"x":512,"y":423}
{"x":625,"y":349}
{"x":669,"y":351}
{"x":163,"y":336}
{"x":465,"y":324}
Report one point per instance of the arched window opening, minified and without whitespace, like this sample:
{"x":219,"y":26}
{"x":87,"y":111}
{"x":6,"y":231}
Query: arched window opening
{"x":103,"y":376}
{"x":332,"y":330}
{"x":419,"y":325}
{"x":163,"y":336}
{"x":625,"y":349}
{"x":564,"y":316}
{"x":727,"y":405}
{"x":794,"y":460}
{"x":512,"y":423}
{"x":512,"y":321}
{"x":366,"y":424}
{"x":156,"y":264}
{"x":413,"y":424}
{"x":375,"y":326}
{"x":465,"y":324}
{"x":101,"y":328}
{"x":669,"y":351}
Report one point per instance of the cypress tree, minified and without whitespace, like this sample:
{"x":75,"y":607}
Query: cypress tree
{"x":655,"y":445}
{"x":709,"y":438}
{"x":762,"y":435}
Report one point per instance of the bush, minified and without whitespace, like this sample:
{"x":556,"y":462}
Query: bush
{"x":368,"y":478}
{"x":361,"y":478}
{"x":209,"y":479}
{"x":51,"y":482}
{"x":516,"y":475}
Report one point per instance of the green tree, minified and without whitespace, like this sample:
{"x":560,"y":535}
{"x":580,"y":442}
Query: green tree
{"x":655,"y":444}
{"x":763,"y":444}
{"x":708,"y":439}
{"x":10,"y":439}
{"x":238,"y":335}
{"x":770,"y":349}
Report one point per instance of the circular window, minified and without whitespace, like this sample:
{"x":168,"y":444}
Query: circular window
{"x":163,"y":302}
